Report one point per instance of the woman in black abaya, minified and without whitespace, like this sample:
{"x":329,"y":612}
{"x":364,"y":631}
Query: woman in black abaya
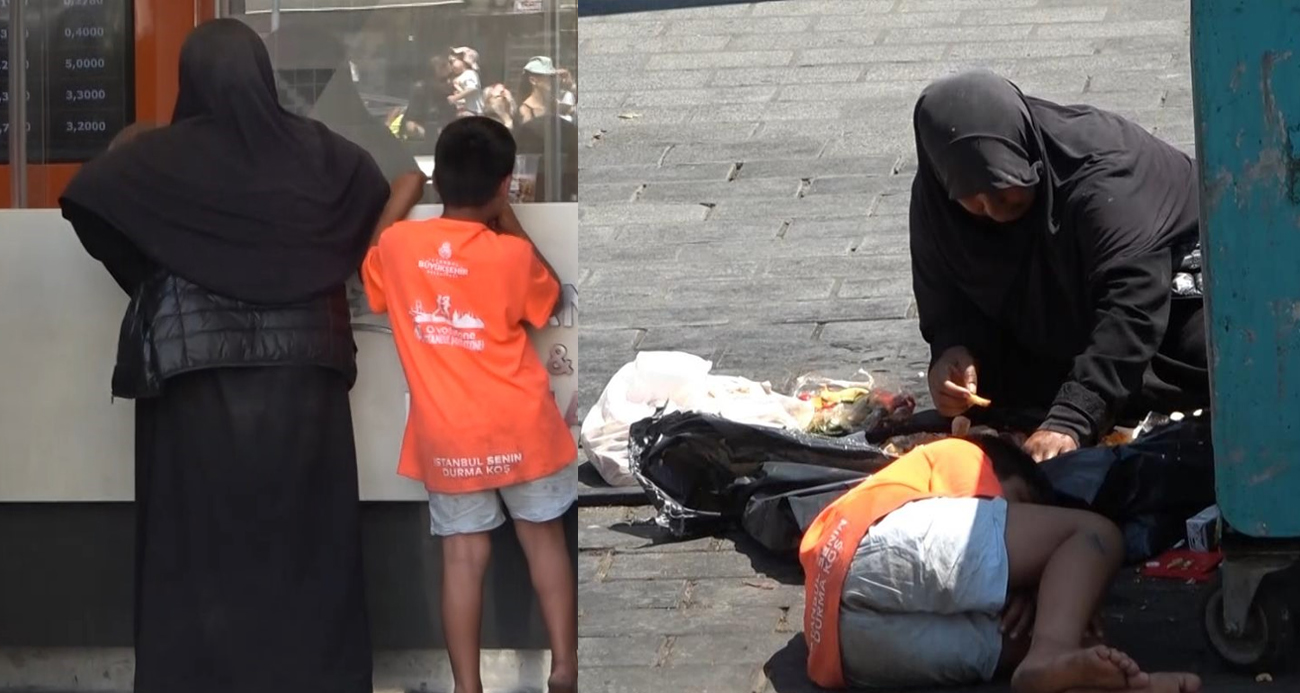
{"x":233,"y":230}
{"x":1055,"y":261}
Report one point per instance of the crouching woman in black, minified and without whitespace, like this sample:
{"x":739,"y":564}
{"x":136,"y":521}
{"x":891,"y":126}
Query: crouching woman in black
{"x":233,"y":230}
{"x":1055,"y":261}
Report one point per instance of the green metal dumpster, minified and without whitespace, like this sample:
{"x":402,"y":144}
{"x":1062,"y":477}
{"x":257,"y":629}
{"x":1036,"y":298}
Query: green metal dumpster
{"x":1246,"y":82}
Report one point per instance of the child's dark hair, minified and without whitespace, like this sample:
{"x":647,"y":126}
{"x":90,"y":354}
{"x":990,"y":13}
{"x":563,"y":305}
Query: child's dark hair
{"x":473,"y":156}
{"x":1010,"y":461}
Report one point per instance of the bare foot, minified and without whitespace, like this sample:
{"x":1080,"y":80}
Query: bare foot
{"x":1157,"y":683}
{"x":1175,"y":683}
{"x":1101,"y":668}
{"x":1093,"y":640}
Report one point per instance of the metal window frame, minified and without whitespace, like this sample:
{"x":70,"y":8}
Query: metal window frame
{"x":17,"y":106}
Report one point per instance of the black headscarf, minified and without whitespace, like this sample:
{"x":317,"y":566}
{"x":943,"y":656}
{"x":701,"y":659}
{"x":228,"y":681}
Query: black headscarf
{"x":237,"y":195}
{"x":975,"y":134}
{"x":1092,"y":172}
{"x":1084,"y":278}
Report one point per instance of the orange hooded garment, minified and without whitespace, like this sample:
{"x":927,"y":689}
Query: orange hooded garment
{"x":951,"y":468}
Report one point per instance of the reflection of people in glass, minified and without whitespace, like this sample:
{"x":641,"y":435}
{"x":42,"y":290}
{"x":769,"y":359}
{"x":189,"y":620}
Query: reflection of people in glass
{"x":539,"y":84}
{"x":562,"y":134}
{"x":568,"y":102}
{"x":314,"y":79}
{"x":430,"y":108}
{"x":466,"y":84}
{"x":500,"y":105}
{"x":233,"y":230}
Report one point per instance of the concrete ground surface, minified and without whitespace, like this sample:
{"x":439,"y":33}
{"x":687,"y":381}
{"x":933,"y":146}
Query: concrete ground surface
{"x":744,"y":186}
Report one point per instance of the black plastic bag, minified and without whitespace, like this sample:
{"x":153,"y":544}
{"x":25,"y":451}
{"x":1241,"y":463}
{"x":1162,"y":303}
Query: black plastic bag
{"x":776,"y":516}
{"x":700,"y":470}
{"x":704,"y":474}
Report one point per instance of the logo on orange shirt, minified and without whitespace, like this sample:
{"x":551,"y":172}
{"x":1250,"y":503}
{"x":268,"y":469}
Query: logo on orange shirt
{"x":443,"y":265}
{"x":444,"y":327}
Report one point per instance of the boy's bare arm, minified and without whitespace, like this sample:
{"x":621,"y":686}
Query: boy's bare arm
{"x":404,"y":193}
{"x":509,"y":224}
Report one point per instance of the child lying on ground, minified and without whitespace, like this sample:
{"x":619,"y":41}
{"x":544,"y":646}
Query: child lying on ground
{"x":926,"y":573}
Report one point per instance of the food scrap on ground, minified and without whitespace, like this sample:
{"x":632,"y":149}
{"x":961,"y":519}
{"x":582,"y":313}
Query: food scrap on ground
{"x":1183,"y":564}
{"x":842,"y":407}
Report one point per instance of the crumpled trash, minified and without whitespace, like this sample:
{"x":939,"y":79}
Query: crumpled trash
{"x":673,"y":381}
{"x":842,"y":407}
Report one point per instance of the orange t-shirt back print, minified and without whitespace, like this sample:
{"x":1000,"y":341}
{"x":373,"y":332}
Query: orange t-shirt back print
{"x":459,"y":297}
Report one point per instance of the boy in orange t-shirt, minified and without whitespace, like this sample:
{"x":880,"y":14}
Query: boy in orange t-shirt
{"x":946,"y":568}
{"x":484,"y":430}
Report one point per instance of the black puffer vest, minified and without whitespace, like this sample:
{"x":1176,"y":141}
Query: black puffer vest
{"x":173,"y":326}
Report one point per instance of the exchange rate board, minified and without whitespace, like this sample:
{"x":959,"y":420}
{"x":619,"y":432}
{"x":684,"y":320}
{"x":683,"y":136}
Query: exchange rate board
{"x":80,"y":77}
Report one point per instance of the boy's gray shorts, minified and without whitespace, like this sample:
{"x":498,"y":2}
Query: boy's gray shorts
{"x":923,"y":599}
{"x":540,"y":500}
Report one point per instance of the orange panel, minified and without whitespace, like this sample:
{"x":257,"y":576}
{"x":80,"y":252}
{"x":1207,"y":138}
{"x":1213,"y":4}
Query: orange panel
{"x":160,"y":28}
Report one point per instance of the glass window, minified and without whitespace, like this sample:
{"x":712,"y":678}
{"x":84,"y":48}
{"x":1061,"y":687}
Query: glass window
{"x":77,"y":86}
{"x":386,"y":73}
{"x":389,"y":74}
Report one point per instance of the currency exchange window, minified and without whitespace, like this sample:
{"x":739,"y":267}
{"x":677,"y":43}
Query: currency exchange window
{"x":79,"y":89}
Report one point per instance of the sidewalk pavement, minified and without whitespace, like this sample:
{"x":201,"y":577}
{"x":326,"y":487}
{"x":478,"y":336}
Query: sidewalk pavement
{"x":745,"y":171}
{"x":745,"y":168}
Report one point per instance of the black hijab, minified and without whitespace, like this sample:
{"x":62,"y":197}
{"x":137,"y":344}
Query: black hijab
{"x":237,"y":195}
{"x":1083,"y":281}
{"x":976,"y":132}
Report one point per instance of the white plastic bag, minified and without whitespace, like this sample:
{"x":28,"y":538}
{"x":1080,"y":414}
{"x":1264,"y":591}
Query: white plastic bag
{"x":675,"y":381}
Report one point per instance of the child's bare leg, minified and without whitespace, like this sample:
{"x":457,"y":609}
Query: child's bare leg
{"x":464,"y":562}
{"x":552,"y":574}
{"x":1071,"y":557}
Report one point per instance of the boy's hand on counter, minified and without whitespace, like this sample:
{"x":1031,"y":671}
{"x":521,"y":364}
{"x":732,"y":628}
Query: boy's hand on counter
{"x":508,"y":223}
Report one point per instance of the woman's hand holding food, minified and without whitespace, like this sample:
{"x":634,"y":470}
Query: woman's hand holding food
{"x":953,"y":381}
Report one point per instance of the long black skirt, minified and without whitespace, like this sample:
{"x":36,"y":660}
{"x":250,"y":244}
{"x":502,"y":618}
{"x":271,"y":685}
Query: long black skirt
{"x":248,"y":565}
